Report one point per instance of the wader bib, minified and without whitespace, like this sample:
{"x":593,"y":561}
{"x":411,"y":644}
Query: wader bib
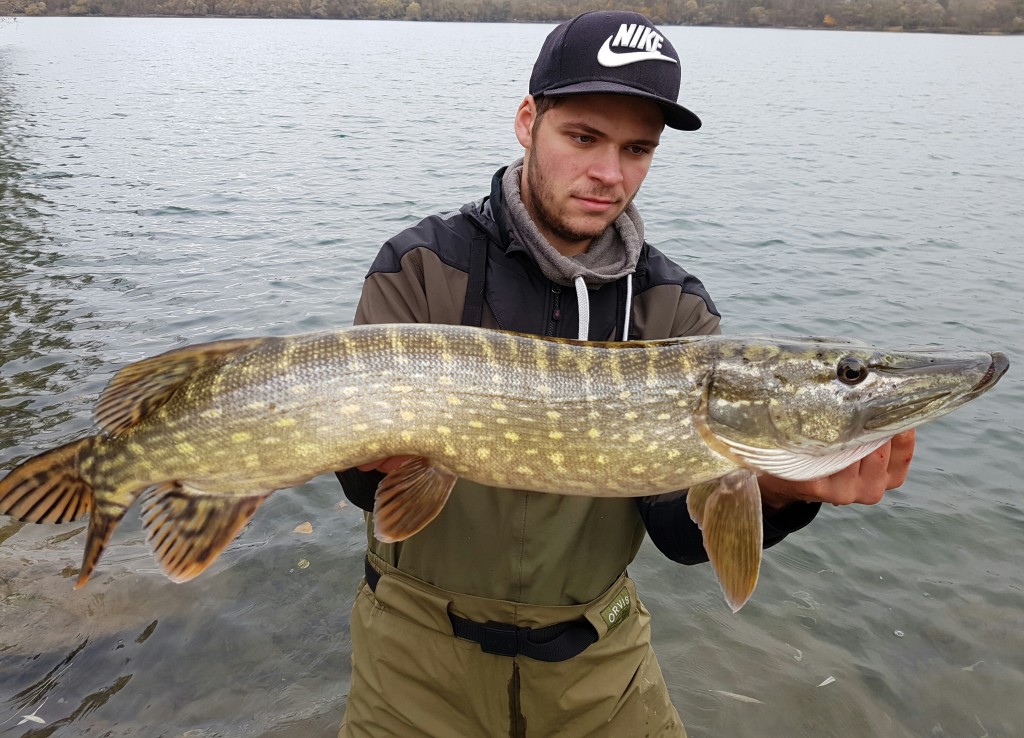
{"x":413,"y":677}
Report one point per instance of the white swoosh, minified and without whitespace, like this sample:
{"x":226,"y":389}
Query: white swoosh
{"x":608,"y":58}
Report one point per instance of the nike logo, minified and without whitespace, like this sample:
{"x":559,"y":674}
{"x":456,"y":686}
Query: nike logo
{"x":646,"y":40}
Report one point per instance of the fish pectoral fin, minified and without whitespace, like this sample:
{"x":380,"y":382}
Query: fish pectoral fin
{"x":188,"y":529}
{"x":410,"y":497}
{"x":728,"y":512}
{"x":140,"y":388}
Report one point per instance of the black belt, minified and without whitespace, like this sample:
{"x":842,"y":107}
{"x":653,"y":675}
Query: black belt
{"x":558,"y":642}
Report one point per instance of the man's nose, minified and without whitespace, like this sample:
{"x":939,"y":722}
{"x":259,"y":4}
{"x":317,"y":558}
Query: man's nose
{"x":607,"y":167}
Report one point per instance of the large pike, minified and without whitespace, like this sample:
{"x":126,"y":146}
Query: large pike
{"x":208,"y":432}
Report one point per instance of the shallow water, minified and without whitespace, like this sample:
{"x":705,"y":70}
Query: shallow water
{"x":166,"y":181}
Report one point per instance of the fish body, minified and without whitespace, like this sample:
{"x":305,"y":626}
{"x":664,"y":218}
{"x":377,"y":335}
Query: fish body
{"x":208,"y":432}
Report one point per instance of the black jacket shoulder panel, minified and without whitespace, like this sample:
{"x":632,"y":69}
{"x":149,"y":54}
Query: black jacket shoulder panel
{"x":448,"y":235}
{"x":654,"y":269}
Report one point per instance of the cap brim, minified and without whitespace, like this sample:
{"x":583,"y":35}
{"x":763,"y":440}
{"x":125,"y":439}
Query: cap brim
{"x":676,"y":116}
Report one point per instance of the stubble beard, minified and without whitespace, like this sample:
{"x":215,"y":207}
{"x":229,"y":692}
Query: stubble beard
{"x":547,"y":220}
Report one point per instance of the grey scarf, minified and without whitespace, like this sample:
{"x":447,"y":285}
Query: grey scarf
{"x":611,"y":256}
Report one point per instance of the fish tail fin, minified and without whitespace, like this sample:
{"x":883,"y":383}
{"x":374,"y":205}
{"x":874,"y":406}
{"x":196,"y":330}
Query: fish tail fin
{"x":50,"y":488}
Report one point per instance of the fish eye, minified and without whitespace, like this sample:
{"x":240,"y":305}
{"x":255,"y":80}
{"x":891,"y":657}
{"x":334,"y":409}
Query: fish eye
{"x":851,"y":370}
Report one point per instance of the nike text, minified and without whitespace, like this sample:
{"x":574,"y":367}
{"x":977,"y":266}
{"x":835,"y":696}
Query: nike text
{"x":636,"y":36}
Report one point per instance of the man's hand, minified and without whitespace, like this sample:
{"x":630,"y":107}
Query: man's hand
{"x":863,"y":482}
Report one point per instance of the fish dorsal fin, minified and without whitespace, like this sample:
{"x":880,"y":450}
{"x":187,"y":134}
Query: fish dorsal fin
{"x":728,"y":512}
{"x":796,"y":465}
{"x":410,"y":497}
{"x":140,"y":388}
{"x":187,"y":528}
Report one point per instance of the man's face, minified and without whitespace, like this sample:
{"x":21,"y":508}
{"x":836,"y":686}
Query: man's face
{"x":585,"y":160}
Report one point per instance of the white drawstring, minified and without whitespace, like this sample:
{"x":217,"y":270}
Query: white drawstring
{"x":629,"y":306}
{"x":583,"y":301}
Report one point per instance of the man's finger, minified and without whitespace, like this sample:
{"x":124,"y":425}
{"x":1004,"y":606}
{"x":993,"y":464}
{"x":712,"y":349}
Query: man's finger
{"x":899,"y":460}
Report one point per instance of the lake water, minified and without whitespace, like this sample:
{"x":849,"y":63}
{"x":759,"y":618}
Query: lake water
{"x":166,"y":181}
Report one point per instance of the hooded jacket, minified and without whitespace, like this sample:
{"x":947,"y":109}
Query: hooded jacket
{"x":544,"y":549}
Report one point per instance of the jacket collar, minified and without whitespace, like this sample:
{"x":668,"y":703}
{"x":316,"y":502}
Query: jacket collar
{"x":488,"y":214}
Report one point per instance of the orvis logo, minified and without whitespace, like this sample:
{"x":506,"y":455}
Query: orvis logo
{"x":644,"y":39}
{"x":619,"y":610}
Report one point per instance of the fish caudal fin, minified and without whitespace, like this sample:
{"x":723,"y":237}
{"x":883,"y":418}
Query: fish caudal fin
{"x":410,"y":497}
{"x":728,"y":512}
{"x":49,"y":488}
{"x":188,"y":528}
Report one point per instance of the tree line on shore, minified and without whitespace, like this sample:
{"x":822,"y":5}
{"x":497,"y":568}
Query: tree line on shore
{"x":953,"y":16}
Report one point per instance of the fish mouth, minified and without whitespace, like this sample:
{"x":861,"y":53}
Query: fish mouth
{"x":905,"y":412}
{"x":894,"y":412}
{"x":1000,"y":363}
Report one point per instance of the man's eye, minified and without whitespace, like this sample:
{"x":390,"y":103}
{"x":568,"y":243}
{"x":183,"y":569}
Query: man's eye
{"x":638,"y":150}
{"x":583,"y":138}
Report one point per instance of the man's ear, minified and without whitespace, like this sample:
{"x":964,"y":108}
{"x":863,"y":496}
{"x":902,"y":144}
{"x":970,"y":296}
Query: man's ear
{"x":526,"y":116}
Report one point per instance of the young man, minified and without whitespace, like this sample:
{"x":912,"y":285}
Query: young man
{"x":511,"y":613}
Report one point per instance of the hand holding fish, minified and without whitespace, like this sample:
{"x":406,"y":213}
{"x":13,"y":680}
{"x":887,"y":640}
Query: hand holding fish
{"x":863,"y":482}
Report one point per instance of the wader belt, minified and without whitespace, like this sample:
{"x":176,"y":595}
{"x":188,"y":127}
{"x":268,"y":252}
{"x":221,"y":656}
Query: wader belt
{"x":558,"y":642}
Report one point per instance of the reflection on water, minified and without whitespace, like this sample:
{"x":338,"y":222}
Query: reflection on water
{"x":33,"y":699}
{"x":42,"y":356}
{"x":169,"y":181}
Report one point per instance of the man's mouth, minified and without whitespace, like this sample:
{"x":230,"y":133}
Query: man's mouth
{"x":596,"y":204}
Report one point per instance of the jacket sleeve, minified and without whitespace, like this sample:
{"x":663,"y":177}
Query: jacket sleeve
{"x":678,"y":537}
{"x":666,"y":518}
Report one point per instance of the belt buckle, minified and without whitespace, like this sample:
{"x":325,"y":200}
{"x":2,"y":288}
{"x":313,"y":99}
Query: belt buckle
{"x":500,"y":639}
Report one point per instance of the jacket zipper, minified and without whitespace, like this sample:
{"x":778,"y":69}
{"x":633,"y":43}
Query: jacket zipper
{"x":556,"y":310}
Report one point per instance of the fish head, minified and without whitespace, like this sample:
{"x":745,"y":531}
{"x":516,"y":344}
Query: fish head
{"x":804,"y":410}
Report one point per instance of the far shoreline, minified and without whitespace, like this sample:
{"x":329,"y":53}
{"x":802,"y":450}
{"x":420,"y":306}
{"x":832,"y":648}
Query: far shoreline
{"x":942,"y":30}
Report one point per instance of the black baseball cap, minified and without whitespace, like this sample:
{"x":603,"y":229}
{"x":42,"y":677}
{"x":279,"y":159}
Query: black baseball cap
{"x":612,"y":52}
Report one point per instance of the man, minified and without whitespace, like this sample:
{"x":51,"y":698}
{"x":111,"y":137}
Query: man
{"x":511,"y":613}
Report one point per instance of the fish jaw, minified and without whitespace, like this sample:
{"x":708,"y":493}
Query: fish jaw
{"x":928,"y":401}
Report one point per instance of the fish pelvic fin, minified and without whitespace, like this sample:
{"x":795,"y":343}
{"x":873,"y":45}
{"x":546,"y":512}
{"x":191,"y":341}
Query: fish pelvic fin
{"x":49,"y":488}
{"x":188,"y":529}
{"x":728,"y":512}
{"x":409,"y":498}
{"x":141,"y":388}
